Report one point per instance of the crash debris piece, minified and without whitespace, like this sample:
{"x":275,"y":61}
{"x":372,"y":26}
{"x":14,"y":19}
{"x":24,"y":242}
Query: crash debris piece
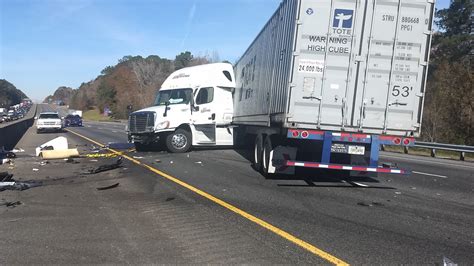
{"x":5,"y":176}
{"x":448,"y":262}
{"x":59,"y":154}
{"x":101,"y":155}
{"x":5,"y":155}
{"x":109,"y":187}
{"x":106,"y":167}
{"x":8,"y":183}
{"x":11,"y":204}
{"x":120,"y":146}
{"x":59,"y":143}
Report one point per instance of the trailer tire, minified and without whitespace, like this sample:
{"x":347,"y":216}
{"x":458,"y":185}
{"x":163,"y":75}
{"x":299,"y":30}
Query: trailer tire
{"x":258,"y":152}
{"x":179,"y":141}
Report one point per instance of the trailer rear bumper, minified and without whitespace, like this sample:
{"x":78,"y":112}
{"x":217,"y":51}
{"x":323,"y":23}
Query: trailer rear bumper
{"x":379,"y":169}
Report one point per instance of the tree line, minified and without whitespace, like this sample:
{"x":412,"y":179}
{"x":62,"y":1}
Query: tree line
{"x":449,"y":103}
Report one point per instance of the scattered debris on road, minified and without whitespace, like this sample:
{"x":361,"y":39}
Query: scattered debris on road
{"x":5,"y":176}
{"x":120,"y":145}
{"x":101,"y":155}
{"x":59,"y":154}
{"x":59,"y":143}
{"x":8,"y":183}
{"x":5,"y":156}
{"x":71,"y":160}
{"x":448,"y":262}
{"x":109,"y":187}
{"x":374,"y":203}
{"x":56,"y":149}
{"x":137,"y":157}
{"x":106,"y":167}
{"x":11,"y":204}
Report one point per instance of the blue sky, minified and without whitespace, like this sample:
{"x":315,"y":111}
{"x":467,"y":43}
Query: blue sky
{"x":45,"y":44}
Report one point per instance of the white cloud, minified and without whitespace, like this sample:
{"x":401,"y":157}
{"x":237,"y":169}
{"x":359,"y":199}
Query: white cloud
{"x":191,"y":15}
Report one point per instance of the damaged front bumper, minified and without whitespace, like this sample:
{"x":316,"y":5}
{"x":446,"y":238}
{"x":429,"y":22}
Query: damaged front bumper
{"x":143,"y":138}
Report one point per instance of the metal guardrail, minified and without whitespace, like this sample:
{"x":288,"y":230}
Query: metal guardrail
{"x":433,"y":146}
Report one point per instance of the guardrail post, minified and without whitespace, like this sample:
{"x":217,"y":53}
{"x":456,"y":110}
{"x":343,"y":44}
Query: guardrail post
{"x":405,"y":149}
{"x":462,"y":156}
{"x":433,"y":152}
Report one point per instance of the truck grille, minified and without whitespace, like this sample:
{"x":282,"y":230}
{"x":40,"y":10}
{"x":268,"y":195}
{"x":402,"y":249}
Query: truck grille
{"x":143,"y":122}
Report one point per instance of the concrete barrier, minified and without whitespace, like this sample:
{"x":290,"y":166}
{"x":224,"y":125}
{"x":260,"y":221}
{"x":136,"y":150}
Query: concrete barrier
{"x":11,"y":133}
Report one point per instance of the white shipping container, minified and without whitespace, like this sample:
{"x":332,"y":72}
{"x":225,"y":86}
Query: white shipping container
{"x":341,"y":65}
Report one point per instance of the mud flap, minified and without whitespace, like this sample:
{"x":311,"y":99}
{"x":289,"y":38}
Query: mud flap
{"x":278,"y":156}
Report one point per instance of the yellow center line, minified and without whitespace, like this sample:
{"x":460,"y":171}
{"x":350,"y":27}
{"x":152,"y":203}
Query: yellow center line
{"x":305,"y":245}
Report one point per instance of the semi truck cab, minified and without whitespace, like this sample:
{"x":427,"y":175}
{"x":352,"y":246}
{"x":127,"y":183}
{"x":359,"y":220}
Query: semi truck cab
{"x":193,"y":107}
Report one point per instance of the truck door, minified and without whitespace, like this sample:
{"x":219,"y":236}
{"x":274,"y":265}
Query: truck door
{"x":393,"y":80}
{"x":204,"y":118}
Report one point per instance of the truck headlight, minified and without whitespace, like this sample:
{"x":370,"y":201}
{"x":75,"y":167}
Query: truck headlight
{"x":163,"y":125}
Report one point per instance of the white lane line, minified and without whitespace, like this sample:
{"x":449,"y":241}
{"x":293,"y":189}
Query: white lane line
{"x":427,"y":161}
{"x":428,"y":174}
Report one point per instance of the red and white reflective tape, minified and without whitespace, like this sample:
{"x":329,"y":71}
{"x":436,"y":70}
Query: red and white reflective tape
{"x":346,"y":167}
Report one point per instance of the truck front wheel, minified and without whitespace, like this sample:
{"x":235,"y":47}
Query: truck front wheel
{"x":179,"y":141}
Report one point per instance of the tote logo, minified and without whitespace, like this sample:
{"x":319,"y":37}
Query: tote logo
{"x":343,"y":18}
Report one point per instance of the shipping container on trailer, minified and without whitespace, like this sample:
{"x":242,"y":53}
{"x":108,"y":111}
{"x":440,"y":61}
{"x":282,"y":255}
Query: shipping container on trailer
{"x":350,"y":66}
{"x":326,"y":82}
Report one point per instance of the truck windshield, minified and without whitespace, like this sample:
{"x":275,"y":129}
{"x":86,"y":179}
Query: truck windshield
{"x":178,"y":96}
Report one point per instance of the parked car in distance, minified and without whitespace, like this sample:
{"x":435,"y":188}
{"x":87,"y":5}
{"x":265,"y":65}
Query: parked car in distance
{"x":13,"y":115}
{"x":49,"y":121}
{"x":73,"y":120}
{"x":5,"y":118}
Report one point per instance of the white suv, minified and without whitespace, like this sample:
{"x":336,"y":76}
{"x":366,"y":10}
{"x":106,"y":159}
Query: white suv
{"x":49,"y":121}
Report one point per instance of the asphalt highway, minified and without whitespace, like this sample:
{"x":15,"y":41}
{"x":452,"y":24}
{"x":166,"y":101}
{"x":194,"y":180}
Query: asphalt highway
{"x":392,"y":219}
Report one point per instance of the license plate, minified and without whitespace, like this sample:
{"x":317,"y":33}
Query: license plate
{"x":338,"y":148}
{"x":356,"y":150}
